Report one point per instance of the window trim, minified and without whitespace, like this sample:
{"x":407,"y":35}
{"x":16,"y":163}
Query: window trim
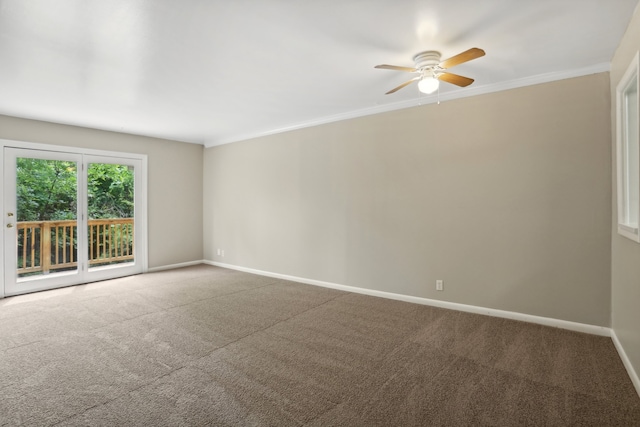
{"x":626,"y":228}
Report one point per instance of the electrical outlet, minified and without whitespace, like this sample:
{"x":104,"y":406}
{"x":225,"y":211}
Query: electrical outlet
{"x":218,"y":251}
{"x":439,"y":285}
{"x":223,"y":253}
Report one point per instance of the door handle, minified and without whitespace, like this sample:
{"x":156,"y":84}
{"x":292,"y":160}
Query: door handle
{"x":9,"y":213}
{"x":10,"y":225}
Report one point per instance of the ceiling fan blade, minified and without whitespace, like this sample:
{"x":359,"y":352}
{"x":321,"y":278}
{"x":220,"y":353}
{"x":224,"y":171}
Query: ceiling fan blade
{"x":395,"y":89}
{"x":396,"y":68}
{"x":455,"y":79}
{"x":463,"y":57}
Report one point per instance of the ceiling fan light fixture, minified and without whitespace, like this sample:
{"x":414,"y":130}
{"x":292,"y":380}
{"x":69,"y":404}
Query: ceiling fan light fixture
{"x":428,"y":84}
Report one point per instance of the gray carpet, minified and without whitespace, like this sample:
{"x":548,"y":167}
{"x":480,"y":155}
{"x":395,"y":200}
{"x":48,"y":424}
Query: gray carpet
{"x":208,"y":346}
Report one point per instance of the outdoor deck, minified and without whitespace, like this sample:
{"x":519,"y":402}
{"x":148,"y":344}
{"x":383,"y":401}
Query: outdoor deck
{"x":109,"y":241}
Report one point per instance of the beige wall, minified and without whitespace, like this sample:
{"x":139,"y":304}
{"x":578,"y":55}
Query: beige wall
{"x":625,"y":265}
{"x":174,"y":181}
{"x":505,"y":196}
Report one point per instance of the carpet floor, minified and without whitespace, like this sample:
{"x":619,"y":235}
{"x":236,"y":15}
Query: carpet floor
{"x":208,"y":346}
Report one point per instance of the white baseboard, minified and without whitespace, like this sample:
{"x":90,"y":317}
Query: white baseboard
{"x":179,"y":265}
{"x":625,"y":360}
{"x":547,"y":321}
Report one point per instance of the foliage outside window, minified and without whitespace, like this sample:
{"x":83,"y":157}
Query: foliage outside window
{"x":628,"y":152}
{"x":47,"y":190}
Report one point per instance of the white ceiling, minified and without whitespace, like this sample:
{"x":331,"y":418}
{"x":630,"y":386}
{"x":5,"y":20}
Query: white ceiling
{"x":217,"y":71}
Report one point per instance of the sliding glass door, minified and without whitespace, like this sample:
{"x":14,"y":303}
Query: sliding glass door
{"x":69,"y":218}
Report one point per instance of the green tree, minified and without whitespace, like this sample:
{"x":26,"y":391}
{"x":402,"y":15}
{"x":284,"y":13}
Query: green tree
{"x":47,"y":190}
{"x":110,"y":191}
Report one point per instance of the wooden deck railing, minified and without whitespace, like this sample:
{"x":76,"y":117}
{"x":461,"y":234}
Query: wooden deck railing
{"x":110,"y":241}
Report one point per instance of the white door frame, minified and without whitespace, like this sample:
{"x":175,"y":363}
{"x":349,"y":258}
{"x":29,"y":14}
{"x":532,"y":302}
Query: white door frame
{"x":141,"y":211}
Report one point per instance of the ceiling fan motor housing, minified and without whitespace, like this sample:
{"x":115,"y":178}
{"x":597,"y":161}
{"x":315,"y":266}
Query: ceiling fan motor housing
{"x":427,"y":60}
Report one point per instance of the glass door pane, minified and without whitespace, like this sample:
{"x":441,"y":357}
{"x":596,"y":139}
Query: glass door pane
{"x":111,"y":212}
{"x":46,"y":216}
{"x":42,"y":238}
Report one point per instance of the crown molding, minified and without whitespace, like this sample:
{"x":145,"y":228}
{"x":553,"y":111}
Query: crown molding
{"x":423,"y":100}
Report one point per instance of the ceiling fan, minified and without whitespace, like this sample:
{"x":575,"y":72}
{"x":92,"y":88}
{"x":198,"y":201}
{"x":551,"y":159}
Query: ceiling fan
{"x":430,"y":70}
